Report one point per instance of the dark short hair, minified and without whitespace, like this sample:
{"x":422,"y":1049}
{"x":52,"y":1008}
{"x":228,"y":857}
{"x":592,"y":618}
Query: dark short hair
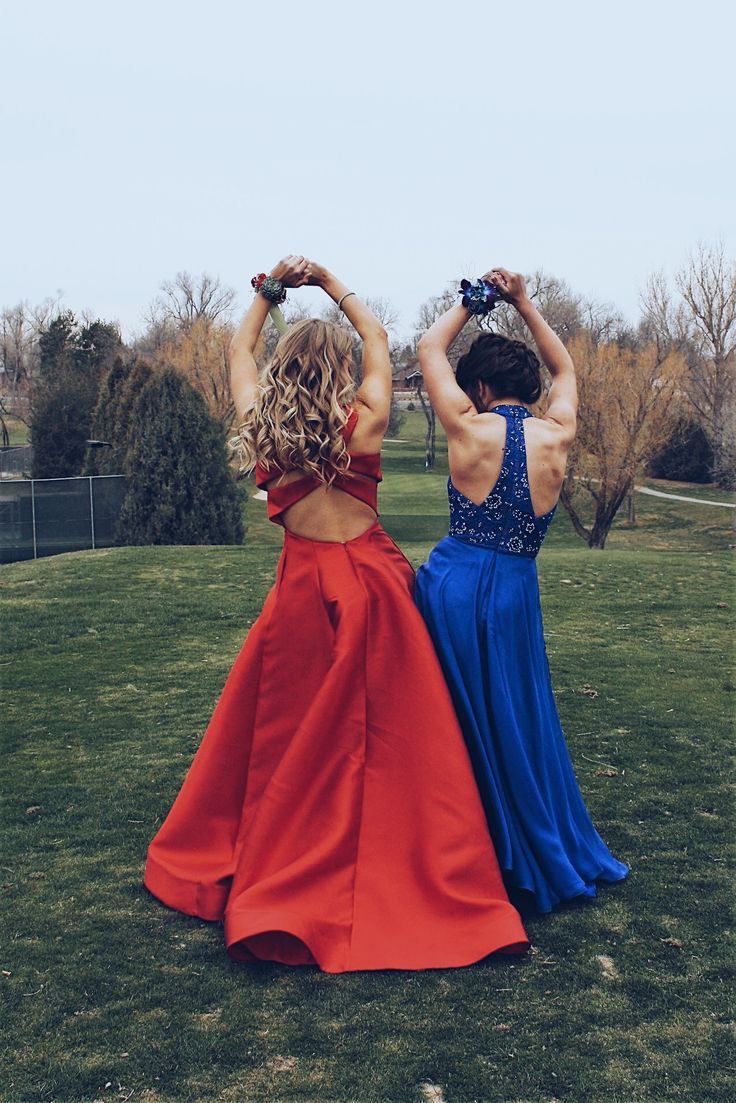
{"x":509,"y":367}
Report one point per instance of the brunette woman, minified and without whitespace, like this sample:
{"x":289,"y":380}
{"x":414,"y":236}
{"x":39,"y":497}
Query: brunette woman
{"x":480,"y":598}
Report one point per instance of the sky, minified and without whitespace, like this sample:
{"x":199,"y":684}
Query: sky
{"x":401,"y":144}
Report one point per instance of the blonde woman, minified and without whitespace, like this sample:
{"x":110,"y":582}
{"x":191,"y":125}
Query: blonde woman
{"x":330,"y":815}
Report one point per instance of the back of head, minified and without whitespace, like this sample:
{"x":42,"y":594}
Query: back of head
{"x":508,"y":367}
{"x":302,"y":403}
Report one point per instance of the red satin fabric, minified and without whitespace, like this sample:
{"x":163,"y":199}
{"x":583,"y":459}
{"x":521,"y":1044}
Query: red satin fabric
{"x":330,"y":815}
{"x":368,"y":464}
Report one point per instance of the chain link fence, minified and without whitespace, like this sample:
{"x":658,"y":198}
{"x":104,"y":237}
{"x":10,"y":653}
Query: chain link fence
{"x":40,"y":517}
{"x":15,"y":461}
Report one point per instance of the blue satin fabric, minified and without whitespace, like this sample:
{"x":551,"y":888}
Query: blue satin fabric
{"x":480,"y":600}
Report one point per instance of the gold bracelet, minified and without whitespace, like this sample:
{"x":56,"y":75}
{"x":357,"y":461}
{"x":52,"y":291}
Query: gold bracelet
{"x":344,"y":297}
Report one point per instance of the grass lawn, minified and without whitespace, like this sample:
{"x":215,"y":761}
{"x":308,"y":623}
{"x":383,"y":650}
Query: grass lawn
{"x":110,"y":665}
{"x":17,"y":430}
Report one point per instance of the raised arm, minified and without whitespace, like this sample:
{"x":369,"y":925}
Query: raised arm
{"x":375,"y":389}
{"x":292,"y":271}
{"x":563,"y":393}
{"x":450,"y":401}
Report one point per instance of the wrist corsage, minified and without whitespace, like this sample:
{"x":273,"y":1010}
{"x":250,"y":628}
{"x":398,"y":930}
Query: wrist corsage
{"x":480,"y":297}
{"x":270,"y":287}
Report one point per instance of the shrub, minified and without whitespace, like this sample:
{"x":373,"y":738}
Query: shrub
{"x":180,"y":488}
{"x":687,"y":456}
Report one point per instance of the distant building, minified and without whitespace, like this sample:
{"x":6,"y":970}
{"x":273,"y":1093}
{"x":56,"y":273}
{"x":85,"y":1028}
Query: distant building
{"x":405,"y":377}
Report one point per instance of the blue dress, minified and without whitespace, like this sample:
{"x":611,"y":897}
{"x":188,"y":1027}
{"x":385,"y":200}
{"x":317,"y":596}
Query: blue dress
{"x":479,"y":596}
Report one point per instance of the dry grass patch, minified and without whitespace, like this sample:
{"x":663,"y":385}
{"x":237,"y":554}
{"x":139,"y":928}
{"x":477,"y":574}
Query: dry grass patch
{"x":608,"y":967}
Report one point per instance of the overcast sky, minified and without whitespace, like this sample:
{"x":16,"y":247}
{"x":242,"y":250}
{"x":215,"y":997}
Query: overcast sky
{"x":401,"y":144}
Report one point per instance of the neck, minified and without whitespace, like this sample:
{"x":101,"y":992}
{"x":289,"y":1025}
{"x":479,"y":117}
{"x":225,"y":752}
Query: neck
{"x":504,"y":402}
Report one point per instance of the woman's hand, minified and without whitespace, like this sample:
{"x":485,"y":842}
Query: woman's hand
{"x":317,"y":274}
{"x":292,"y":271}
{"x":510,"y":285}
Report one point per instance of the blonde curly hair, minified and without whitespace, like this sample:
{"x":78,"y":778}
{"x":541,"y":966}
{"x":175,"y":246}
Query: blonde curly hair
{"x":302,"y":404}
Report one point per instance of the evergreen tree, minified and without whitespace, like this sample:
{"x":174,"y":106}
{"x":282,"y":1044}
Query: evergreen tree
{"x":60,"y":423}
{"x":122,"y":413}
{"x":180,"y":489}
{"x":118,"y":394}
{"x":96,"y":346}
{"x":55,"y":345}
{"x":687,"y":456}
{"x":72,"y":361}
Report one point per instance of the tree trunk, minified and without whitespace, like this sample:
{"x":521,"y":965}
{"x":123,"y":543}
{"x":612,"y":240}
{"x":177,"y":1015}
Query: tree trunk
{"x":431,"y":434}
{"x":605,"y":515}
{"x":577,"y":524}
{"x":431,"y":440}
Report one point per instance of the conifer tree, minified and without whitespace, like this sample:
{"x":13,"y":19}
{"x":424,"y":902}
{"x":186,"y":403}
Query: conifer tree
{"x":118,"y":394}
{"x":71,"y":365}
{"x":686,"y":457}
{"x":104,"y":461}
{"x":180,"y":488}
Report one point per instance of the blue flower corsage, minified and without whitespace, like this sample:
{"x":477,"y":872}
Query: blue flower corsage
{"x":480,"y":297}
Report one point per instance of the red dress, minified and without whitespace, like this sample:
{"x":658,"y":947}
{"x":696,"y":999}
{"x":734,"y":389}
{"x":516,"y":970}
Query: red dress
{"x":330,"y":815}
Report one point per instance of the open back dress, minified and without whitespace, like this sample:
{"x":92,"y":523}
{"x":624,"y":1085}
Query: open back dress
{"x":479,"y":596}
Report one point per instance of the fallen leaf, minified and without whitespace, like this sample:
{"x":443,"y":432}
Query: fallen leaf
{"x":608,"y":772}
{"x":32,"y":809}
{"x":674,"y":942}
{"x":588,"y":691}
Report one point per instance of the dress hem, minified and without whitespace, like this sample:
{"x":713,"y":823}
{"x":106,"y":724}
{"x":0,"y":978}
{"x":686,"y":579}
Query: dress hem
{"x":245,"y":927}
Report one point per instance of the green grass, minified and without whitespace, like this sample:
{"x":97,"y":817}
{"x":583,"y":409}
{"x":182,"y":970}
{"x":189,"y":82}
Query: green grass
{"x":111,"y":663}
{"x":17,"y":430}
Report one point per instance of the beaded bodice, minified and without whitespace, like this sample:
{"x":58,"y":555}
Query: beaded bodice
{"x":505,"y":520}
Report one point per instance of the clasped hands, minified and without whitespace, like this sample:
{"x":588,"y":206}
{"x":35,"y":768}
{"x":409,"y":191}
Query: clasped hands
{"x":296,"y":271}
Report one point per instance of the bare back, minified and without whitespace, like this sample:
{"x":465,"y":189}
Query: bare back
{"x":328,"y":514}
{"x":476,"y":455}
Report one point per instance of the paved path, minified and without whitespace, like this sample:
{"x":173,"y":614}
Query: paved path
{"x":683,"y":498}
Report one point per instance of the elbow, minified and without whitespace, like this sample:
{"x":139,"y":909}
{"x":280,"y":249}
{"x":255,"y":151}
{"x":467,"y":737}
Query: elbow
{"x":425,"y":346}
{"x":376,"y":333}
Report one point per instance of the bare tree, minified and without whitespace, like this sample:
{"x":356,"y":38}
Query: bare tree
{"x":430,"y":437}
{"x":627,"y":411}
{"x":382,"y":308}
{"x":700,"y":323}
{"x":201,"y":354}
{"x":20,"y":327}
{"x":188,"y":298}
{"x":708,"y":288}
{"x":563,"y":309}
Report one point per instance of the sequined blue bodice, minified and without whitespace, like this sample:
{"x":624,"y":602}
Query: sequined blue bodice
{"x":505,"y":520}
